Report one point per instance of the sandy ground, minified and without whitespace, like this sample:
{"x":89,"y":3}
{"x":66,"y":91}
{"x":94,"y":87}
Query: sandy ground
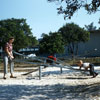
{"x":69,"y":85}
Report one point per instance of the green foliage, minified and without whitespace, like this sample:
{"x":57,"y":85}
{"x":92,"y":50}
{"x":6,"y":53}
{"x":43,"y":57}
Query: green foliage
{"x":19,"y":29}
{"x":69,"y":7}
{"x":72,"y":34}
{"x":51,"y":44}
{"x":90,"y":27}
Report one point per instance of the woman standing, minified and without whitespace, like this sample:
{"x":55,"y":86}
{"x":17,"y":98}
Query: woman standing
{"x":8,"y":56}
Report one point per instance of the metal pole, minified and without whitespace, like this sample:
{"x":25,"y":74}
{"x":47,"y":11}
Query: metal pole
{"x":40,"y":74}
{"x":61,"y":69}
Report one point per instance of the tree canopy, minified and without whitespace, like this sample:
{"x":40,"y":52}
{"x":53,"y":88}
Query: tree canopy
{"x":90,"y":27}
{"x":72,"y":35}
{"x":19,"y":29}
{"x":69,"y":7}
{"x":51,"y":44}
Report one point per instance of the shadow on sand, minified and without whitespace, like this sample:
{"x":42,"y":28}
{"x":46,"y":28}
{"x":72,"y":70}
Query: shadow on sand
{"x":49,"y":92}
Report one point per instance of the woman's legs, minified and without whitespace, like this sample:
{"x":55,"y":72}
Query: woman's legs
{"x":5,"y":66}
{"x":11,"y":66}
{"x":92,"y":72}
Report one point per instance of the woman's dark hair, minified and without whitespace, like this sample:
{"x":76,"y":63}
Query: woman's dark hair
{"x":11,"y":38}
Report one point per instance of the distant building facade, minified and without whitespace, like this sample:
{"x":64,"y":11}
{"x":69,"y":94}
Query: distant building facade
{"x":92,"y":47}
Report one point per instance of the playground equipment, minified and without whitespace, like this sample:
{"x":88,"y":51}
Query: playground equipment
{"x":39,"y":61}
{"x":42,"y":63}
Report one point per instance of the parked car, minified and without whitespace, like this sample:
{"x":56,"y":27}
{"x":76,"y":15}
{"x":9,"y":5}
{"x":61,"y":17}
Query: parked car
{"x":31,"y":56}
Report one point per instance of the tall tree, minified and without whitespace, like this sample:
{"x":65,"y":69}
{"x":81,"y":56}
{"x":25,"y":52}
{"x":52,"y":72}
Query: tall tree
{"x":19,"y":29}
{"x":51,"y":44}
{"x":69,"y":7}
{"x":72,"y":34}
{"x":99,"y":24}
{"x":90,"y":27}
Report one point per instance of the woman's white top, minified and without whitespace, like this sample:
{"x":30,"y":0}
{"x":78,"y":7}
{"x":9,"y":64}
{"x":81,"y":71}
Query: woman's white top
{"x":85,"y":65}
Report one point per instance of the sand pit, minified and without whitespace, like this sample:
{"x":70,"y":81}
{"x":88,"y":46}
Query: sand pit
{"x":69,"y":85}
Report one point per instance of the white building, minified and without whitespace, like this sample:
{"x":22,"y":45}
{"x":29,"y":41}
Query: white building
{"x":92,"y":47}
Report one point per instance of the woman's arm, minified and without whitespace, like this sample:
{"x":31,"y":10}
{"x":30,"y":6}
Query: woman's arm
{"x":86,"y":68}
{"x":9,"y":53}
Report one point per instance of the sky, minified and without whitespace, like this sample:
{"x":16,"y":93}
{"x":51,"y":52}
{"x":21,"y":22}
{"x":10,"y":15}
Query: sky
{"x":42,"y":16}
